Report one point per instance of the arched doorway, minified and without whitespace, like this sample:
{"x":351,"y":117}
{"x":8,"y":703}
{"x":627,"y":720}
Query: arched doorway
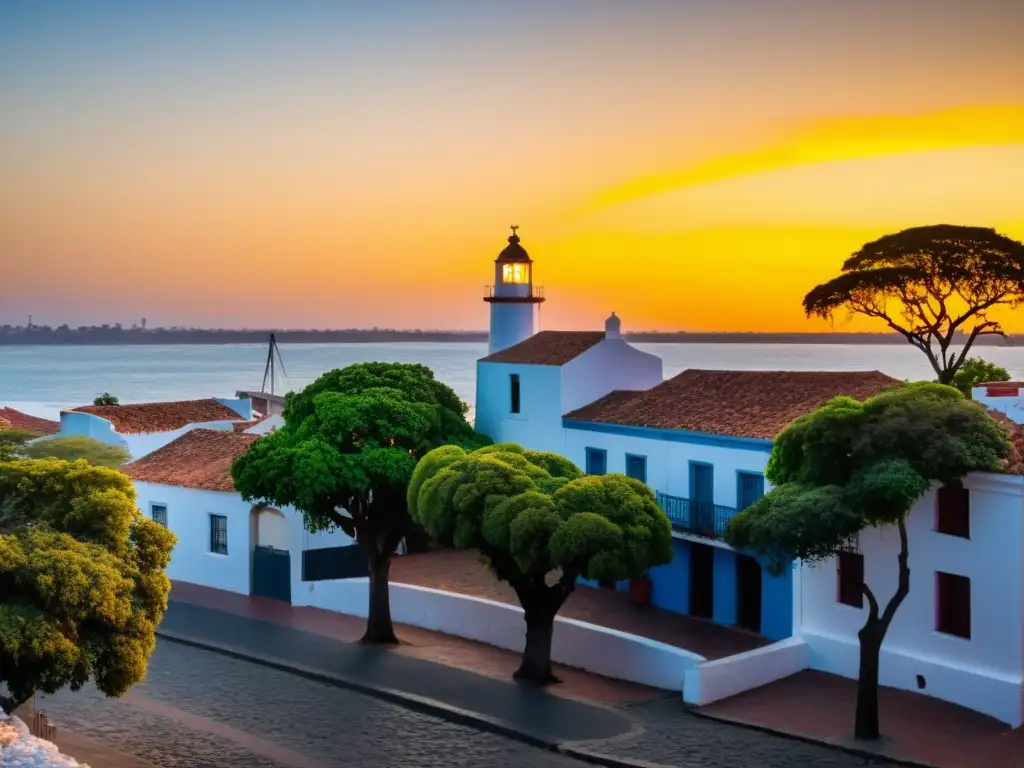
{"x":271,"y":555}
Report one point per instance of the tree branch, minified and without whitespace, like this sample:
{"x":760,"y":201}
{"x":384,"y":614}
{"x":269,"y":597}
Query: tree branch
{"x":872,"y":602}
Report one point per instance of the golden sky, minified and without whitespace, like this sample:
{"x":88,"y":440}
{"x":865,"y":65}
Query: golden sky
{"x":691,"y":165}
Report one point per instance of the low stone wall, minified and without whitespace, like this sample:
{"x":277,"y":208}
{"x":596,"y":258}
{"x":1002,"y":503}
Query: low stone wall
{"x":578,"y":644}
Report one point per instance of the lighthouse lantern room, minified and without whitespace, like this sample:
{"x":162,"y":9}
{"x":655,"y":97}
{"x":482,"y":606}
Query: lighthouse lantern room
{"x":513,"y":298}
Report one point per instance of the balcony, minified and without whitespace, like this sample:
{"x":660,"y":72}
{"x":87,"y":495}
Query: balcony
{"x":698,"y":518}
{"x":536,"y":295}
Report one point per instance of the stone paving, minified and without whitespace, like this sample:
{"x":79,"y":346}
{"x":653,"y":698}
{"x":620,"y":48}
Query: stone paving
{"x":198,"y":709}
{"x":672,"y":736}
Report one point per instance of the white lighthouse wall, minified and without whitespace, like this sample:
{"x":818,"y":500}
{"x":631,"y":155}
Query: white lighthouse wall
{"x":511,"y":323}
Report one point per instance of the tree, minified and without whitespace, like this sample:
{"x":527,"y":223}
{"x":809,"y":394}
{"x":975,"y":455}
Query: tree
{"x":82,"y":579}
{"x":106,"y":399}
{"x":536,"y":518}
{"x":933,"y":285}
{"x":71,"y":448}
{"x":977,"y":371}
{"x":852,"y":465}
{"x":345,"y":456}
{"x":12,"y":442}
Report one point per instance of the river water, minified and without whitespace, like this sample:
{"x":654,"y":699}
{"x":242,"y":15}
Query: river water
{"x":41,"y":380}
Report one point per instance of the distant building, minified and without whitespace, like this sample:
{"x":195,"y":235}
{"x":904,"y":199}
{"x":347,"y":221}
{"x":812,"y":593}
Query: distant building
{"x":144,"y":427}
{"x":12,"y":419}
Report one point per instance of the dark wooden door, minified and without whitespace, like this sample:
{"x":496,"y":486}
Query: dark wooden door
{"x":748,"y":593}
{"x":702,"y":581}
{"x":272,"y":573}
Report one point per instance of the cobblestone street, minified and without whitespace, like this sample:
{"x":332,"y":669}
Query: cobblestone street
{"x":672,"y":736}
{"x":199,"y":709}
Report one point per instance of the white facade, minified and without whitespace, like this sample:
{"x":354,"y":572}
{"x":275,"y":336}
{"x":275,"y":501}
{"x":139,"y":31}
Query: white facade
{"x":193,"y":560}
{"x":546,"y":392}
{"x":985,"y":672}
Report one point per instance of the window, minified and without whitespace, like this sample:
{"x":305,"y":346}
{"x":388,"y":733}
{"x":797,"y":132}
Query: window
{"x":750,"y":488}
{"x":850,"y":575}
{"x":515,"y":273}
{"x":953,"y":604}
{"x":219,"y":534}
{"x":636,"y":467}
{"x":953,"y":511}
{"x":159,"y":514}
{"x":597,"y":461}
{"x":513,"y":392}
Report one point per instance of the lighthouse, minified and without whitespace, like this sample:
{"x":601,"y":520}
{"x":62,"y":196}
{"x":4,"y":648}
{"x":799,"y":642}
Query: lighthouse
{"x":513,"y":298}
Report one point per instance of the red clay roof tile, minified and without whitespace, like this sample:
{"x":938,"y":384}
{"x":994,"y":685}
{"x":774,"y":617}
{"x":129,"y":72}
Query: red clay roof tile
{"x":1014,"y":464}
{"x":241,"y":426}
{"x":201,"y":458}
{"x":548,"y":348}
{"x":12,"y":419}
{"x":757,"y":404}
{"x":160,"y":417}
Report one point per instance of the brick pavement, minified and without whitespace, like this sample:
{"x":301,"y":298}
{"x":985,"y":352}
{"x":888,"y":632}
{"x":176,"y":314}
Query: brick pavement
{"x":462,"y":572}
{"x":914,"y":727}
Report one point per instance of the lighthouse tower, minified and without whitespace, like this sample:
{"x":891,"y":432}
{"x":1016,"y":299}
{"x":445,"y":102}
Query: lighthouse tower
{"x":514,"y":300}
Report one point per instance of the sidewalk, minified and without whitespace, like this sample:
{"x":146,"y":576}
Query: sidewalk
{"x":503,"y":707}
{"x":914,"y":727}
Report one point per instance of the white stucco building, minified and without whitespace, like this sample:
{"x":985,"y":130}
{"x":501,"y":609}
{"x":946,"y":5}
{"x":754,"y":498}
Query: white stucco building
{"x":144,"y":427}
{"x":702,"y":440}
{"x":223,"y":541}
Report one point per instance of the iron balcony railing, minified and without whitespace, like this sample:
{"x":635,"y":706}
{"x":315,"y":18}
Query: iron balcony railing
{"x":700,"y":518}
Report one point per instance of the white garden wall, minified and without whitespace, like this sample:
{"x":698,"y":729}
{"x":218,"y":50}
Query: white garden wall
{"x":722,"y":678}
{"x":578,"y":644}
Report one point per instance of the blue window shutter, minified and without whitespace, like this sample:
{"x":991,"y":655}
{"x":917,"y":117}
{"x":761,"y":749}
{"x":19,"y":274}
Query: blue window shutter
{"x":596,"y":461}
{"x":751,"y":489}
{"x":636,"y":467}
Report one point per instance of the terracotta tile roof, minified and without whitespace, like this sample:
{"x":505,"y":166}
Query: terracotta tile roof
{"x":756,"y":404}
{"x":548,"y":348}
{"x":10,"y":418}
{"x":201,"y":458}
{"x":160,"y":417}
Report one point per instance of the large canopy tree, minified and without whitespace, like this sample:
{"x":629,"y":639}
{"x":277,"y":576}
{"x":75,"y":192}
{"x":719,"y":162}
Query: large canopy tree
{"x":933,"y":285}
{"x":345,"y":455}
{"x":540,"y":525}
{"x":852,"y":465}
{"x":82,"y":583}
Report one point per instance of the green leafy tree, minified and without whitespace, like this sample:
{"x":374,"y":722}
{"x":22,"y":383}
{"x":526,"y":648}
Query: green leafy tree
{"x":977,"y":371}
{"x":106,"y":399}
{"x":851,"y":465}
{"x":540,"y":525}
{"x":71,"y":448}
{"x":13,"y":441}
{"x":345,"y":456}
{"x":82,"y":579}
{"x":932,"y":285}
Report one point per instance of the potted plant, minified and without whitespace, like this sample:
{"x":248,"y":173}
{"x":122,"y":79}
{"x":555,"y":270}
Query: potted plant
{"x":640,"y":590}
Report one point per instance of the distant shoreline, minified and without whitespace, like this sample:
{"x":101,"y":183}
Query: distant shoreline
{"x":120,"y":337}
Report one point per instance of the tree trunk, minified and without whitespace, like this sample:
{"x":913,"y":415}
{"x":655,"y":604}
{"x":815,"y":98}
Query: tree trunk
{"x":536,"y":664}
{"x":379,"y":629}
{"x":866,"y":722}
{"x":871,"y":636}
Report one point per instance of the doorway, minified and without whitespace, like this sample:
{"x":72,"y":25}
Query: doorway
{"x":702,"y":581}
{"x":748,"y":593}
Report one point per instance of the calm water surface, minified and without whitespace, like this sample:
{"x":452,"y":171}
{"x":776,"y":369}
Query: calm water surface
{"x":42,"y":380}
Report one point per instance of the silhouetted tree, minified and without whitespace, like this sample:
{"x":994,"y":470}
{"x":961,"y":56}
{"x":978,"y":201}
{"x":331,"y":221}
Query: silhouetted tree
{"x":929,"y":284}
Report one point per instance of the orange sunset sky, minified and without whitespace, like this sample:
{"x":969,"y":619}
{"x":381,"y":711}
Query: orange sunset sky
{"x":691,"y":164}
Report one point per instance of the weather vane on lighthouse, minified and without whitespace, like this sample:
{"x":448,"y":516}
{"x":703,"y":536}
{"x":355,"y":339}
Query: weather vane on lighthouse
{"x":514,"y":228}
